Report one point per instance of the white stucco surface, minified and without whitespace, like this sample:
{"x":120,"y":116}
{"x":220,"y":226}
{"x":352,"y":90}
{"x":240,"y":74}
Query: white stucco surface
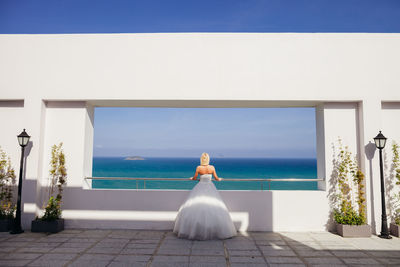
{"x":50,"y":84}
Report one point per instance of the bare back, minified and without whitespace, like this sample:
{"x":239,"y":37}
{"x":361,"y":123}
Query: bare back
{"x":206,"y":169}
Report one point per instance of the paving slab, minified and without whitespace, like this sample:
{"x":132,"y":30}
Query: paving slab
{"x":168,"y":264}
{"x":81,"y":239}
{"x":289,"y":265}
{"x":102,"y":250}
{"x":241,"y":245}
{"x":177,"y":243}
{"x":138,"y":251}
{"x":282,"y":260}
{"x":8,"y":249}
{"x":149,"y":235}
{"x":104,"y":257}
{"x":244,"y":253}
{"x":323,"y":261}
{"x":246,"y":259}
{"x":208,"y":252}
{"x":109,"y":244}
{"x":207,"y":264}
{"x":314,"y":246}
{"x":14,"y":262}
{"x":278,"y":253}
{"x":144,"y":241}
{"x":12,"y":244}
{"x":58,"y":256}
{"x":76,"y":245}
{"x":362,"y":261}
{"x":349,"y":254}
{"x":208,"y":244}
{"x":22,"y":256}
{"x":23,"y":239}
{"x":384,"y":254}
{"x":314,"y":253}
{"x":132,"y":258}
{"x":49,"y":239}
{"x":391,"y":261}
{"x":265,"y":235}
{"x":209,"y":259}
{"x":161,"y":260}
{"x":236,"y":264}
{"x":174,"y":251}
{"x":128,"y":264}
{"x":141,"y":245}
{"x":123,"y":234}
{"x":67,"y":250}
{"x":90,"y":263}
{"x":48,"y":263}
{"x":275,"y":247}
{"x":43,"y":244}
{"x":36,"y":249}
{"x":263,"y":242}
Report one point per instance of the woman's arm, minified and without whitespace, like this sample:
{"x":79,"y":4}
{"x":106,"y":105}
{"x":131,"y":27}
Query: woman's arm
{"x":195,"y":175}
{"x":215,"y":174}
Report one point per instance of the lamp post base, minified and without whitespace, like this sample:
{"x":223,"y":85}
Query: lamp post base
{"x":17,"y":231}
{"x":385,"y":236}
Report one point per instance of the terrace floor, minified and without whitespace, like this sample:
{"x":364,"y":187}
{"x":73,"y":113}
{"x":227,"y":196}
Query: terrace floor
{"x":162,"y":248}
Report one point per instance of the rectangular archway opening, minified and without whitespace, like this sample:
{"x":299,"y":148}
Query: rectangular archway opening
{"x":243,"y":143}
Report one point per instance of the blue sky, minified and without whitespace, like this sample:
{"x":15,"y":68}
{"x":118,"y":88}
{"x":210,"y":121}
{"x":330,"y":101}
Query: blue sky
{"x":222,"y":132}
{"x":119,"y":16}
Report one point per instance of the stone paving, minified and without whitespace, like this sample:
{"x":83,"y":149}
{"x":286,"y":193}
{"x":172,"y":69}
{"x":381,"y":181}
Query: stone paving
{"x":162,"y":248}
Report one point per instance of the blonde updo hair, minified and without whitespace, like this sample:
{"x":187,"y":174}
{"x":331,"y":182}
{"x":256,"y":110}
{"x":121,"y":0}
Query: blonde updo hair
{"x":204,"y":159}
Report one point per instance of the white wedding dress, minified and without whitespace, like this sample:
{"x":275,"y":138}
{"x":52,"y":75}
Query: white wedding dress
{"x":204,"y":215}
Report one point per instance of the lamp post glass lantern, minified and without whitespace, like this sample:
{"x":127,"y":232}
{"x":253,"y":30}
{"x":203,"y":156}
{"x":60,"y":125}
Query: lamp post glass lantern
{"x":380,"y":142}
{"x":23,"y":140}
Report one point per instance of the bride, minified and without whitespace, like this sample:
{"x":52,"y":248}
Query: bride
{"x":204,"y":215}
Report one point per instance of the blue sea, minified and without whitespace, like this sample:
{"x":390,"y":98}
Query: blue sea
{"x":243,"y":168}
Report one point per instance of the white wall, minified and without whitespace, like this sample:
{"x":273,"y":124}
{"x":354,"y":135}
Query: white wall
{"x":201,"y":66}
{"x":156,"y":209}
{"x":390,"y":122}
{"x":60,"y":78}
{"x":13,"y":121}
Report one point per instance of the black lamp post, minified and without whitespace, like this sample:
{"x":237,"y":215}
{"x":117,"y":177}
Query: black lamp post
{"x":380,"y":141}
{"x":23,"y":139}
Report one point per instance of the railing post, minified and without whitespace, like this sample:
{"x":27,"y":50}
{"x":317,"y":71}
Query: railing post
{"x":144,"y":184}
{"x":262,"y":186}
{"x":269,"y":185}
{"x":137,"y":187}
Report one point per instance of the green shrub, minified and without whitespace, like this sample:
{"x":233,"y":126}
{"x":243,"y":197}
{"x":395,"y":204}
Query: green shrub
{"x":7,"y":178}
{"x":349,"y":217}
{"x":52,"y":211}
{"x":396,"y":168}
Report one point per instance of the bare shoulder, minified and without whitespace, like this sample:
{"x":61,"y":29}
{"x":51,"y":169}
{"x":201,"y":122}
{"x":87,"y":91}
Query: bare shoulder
{"x":211,"y":167}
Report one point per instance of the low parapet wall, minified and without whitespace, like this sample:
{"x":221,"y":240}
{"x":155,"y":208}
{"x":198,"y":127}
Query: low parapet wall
{"x":157,"y":209}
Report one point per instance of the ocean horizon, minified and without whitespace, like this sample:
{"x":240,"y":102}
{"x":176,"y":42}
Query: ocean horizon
{"x":184,"y":167}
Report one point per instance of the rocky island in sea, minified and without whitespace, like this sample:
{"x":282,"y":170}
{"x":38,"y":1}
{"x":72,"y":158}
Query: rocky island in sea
{"x":134,"y":158}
